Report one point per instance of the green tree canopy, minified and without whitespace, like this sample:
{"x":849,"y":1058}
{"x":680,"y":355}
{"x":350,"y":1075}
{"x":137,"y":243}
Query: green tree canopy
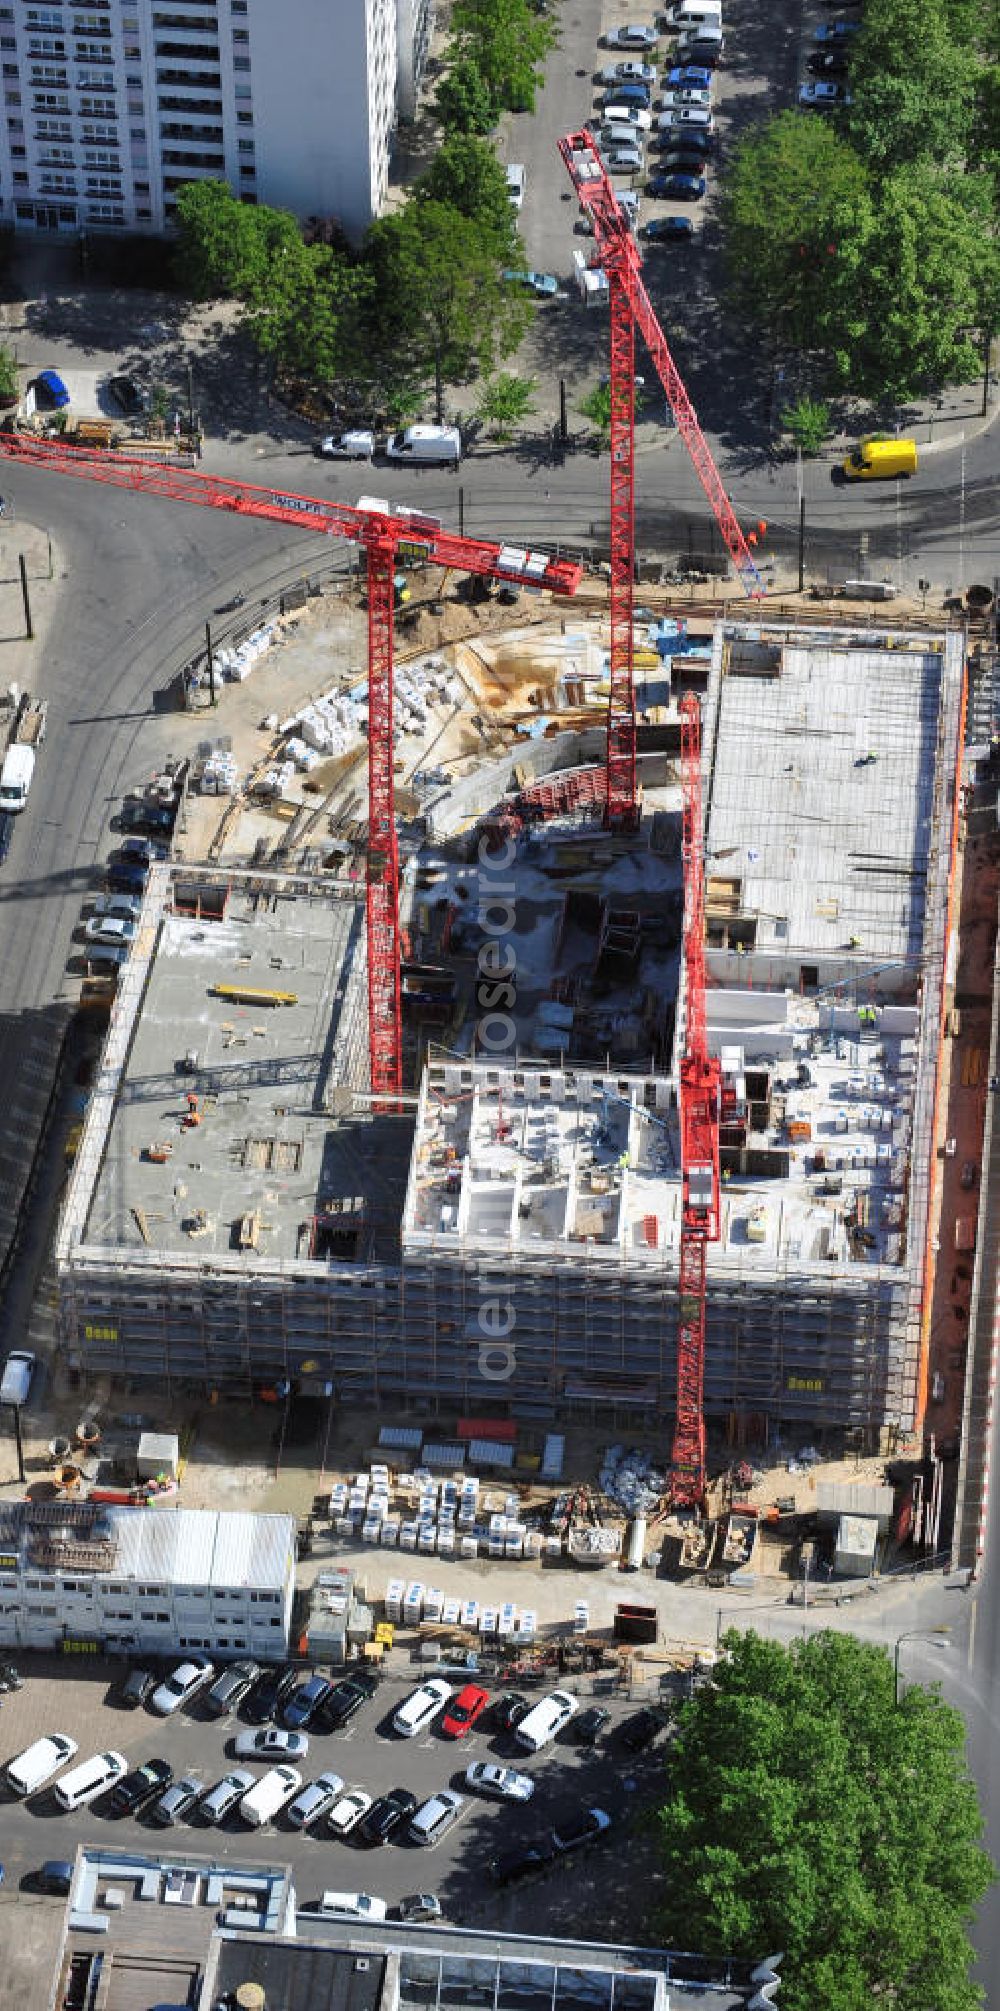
{"x":466,"y":173}
{"x":789,"y":180}
{"x":806,"y":1811}
{"x":463,"y":99}
{"x":506,"y":42}
{"x":218,"y":239}
{"x":912,"y":86}
{"x":441,"y":307}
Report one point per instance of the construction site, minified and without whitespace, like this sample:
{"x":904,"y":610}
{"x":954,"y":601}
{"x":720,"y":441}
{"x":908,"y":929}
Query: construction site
{"x":595,"y":1075}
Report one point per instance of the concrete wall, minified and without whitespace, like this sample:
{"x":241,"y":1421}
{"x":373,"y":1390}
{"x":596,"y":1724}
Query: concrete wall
{"x":324,"y":101}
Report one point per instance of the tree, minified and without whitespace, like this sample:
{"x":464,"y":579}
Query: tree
{"x":597,"y":408}
{"x":439,"y":306}
{"x":463,"y":100}
{"x":218,"y":240}
{"x":806,"y":1811}
{"x":789,"y":180}
{"x":466,"y":173}
{"x":912,"y":86}
{"x":505,"y":400}
{"x":808,"y":422}
{"x":914,"y":278}
{"x":507,"y":41}
{"x":9,"y":386}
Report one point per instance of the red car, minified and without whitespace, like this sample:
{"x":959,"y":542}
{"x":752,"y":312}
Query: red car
{"x":463,"y":1711}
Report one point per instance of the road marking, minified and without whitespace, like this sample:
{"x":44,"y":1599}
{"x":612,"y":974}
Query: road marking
{"x":973,"y":1616}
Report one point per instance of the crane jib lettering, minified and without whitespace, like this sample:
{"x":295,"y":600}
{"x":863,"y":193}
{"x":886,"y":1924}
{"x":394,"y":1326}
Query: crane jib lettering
{"x":299,"y":503}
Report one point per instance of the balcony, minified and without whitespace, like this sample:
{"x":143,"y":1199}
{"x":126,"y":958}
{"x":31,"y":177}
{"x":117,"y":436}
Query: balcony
{"x":192,"y":80}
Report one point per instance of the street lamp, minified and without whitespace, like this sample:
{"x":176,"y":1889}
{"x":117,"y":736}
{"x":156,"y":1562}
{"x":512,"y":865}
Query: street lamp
{"x":912,"y":1634}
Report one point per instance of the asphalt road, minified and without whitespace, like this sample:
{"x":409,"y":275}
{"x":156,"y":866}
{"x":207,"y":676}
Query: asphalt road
{"x":368,"y":1755}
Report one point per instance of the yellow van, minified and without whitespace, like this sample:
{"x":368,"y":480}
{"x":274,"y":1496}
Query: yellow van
{"x":874,"y":458}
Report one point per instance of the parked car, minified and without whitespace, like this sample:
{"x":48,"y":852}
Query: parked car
{"x":622,"y":160}
{"x":305,"y":1700}
{"x":694,"y":142}
{"x":352,"y":1906}
{"x":113,"y":929}
{"x":91,"y":1778}
{"x":345,"y":1699}
{"x":137,"y":1688}
{"x":126,"y":906}
{"x":417,"y":1710}
{"x":820,"y":96}
{"x":143,"y":851}
{"x":678,"y":118}
{"x":55,"y":1877}
{"x":127,"y":876}
{"x":704,"y":47}
{"x":619,"y":112}
{"x":540,"y":1725}
{"x":348,"y":1811}
{"x":386,"y":1816}
{"x":829,"y":63}
{"x":683,"y":188}
{"x":140,"y":1787}
{"x":230,"y":1689}
{"x":587,"y":1728}
{"x":513,"y":1865}
{"x":635,"y":35}
{"x":131,"y":398}
{"x":583,"y":1828}
{"x":140,"y":813}
{"x":640,"y":1730}
{"x":268,"y":1694}
{"x":221,"y":1800}
{"x":269,"y":1794}
{"x":50,"y":391}
{"x":315,"y":1801}
{"x":508,"y":1710}
{"x":436,"y":1816}
{"x":686,"y":94}
{"x":545,"y":284}
{"x":969,"y":1174}
{"x":689,"y":77}
{"x":420,"y":1907}
{"x":632,"y":71}
{"x":358,"y":445}
{"x":636,"y":94}
{"x":180,"y":1798}
{"x":668,"y":229}
{"x":464,"y":1711}
{"x":835,"y":31}
{"x":501,"y":1784}
{"x":34,"y":1768}
{"x":270,"y":1744}
{"x":179,"y":1688}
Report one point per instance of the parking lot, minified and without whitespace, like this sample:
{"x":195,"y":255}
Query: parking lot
{"x":83,"y":1702}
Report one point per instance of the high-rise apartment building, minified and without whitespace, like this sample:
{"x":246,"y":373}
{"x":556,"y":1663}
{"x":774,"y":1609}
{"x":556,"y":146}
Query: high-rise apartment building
{"x":110,"y":106}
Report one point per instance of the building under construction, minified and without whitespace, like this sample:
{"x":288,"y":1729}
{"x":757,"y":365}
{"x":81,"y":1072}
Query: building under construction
{"x":242,"y":1214}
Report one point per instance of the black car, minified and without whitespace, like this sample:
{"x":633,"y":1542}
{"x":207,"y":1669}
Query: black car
{"x":512,"y":1865}
{"x":690,"y":140}
{"x":508,"y":1711}
{"x":345,"y":1698}
{"x":829,"y":63}
{"x":55,"y":1876}
{"x":579,"y":1829}
{"x":229,"y":1689}
{"x":268,"y":1695}
{"x":387,"y":1815}
{"x":588,"y":1725}
{"x":305,"y":1700}
{"x":138,"y":1685}
{"x":137,"y":852}
{"x":143,"y":1785}
{"x":128,"y":396}
{"x":639,"y":1731}
{"x":140,"y":813}
{"x":126,"y":876}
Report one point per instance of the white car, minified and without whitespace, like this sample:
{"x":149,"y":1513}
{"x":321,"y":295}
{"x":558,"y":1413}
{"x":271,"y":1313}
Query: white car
{"x":111,"y":929}
{"x":352,"y":1906}
{"x":629,"y":73}
{"x":268,"y":1796}
{"x":635,"y":35}
{"x":34,"y":1768}
{"x":516,"y":178}
{"x":187,"y":1679}
{"x":348,"y":1811}
{"x":357,"y":445}
{"x":415,"y":1713}
{"x":271,"y":1744}
{"x":680,"y":116}
{"x":613,"y":114}
{"x":126,"y":905}
{"x":315,"y":1801}
{"x":687,"y":94}
{"x":502,"y":1784}
{"x":94,"y":1777}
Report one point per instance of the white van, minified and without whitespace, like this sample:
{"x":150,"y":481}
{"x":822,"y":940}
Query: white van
{"x":262,"y":1803}
{"x":544,"y":1720}
{"x":352,"y":1906}
{"x":431,"y":446}
{"x":694,"y":14}
{"x":415,"y":1714}
{"x":37,"y":1764}
{"x":516,"y":179}
{"x":93,"y":1778}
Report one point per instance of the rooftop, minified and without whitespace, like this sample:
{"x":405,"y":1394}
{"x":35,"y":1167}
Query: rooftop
{"x":187,"y":1546}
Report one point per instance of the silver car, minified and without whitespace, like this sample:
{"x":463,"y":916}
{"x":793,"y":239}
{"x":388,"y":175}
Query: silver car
{"x":315,"y":1801}
{"x":502,"y":1784}
{"x":187,"y":1679}
{"x":270,"y":1744}
{"x":180,"y":1797}
{"x":222,"y":1799}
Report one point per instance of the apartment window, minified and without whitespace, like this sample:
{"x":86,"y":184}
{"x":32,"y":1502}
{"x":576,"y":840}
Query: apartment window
{"x":137,"y":133}
{"x":245,"y":146}
{"x":247,"y":174}
{"x":241,"y":62}
{"x":8,"y":41}
{"x":240,"y":35}
{"x":15,"y":125}
{"x":10,"y":69}
{"x":238,"y":7}
{"x":142,"y":188}
{"x":144,"y":215}
{"x":244,"y":118}
{"x":134,"y":83}
{"x":12,"y":97}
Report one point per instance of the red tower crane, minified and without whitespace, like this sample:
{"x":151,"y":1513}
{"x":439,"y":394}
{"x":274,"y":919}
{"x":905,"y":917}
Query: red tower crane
{"x":379,"y":531}
{"x":699,"y":1095}
{"x":631,"y":308}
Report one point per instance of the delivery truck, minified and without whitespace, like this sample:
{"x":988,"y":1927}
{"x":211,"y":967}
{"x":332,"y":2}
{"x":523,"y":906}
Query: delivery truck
{"x":26,"y":732}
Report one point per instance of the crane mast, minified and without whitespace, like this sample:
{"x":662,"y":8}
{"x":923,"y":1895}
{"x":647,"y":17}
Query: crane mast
{"x":379,"y":530}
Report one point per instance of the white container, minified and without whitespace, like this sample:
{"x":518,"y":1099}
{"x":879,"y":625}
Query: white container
{"x":470,"y":1613}
{"x":488,"y":1620}
{"x":407,"y":1536}
{"x":433,"y":1602}
{"x":394,"y":1594}
{"x":452,"y":1612}
{"x":469,"y":1546}
{"x":389,"y":1536}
